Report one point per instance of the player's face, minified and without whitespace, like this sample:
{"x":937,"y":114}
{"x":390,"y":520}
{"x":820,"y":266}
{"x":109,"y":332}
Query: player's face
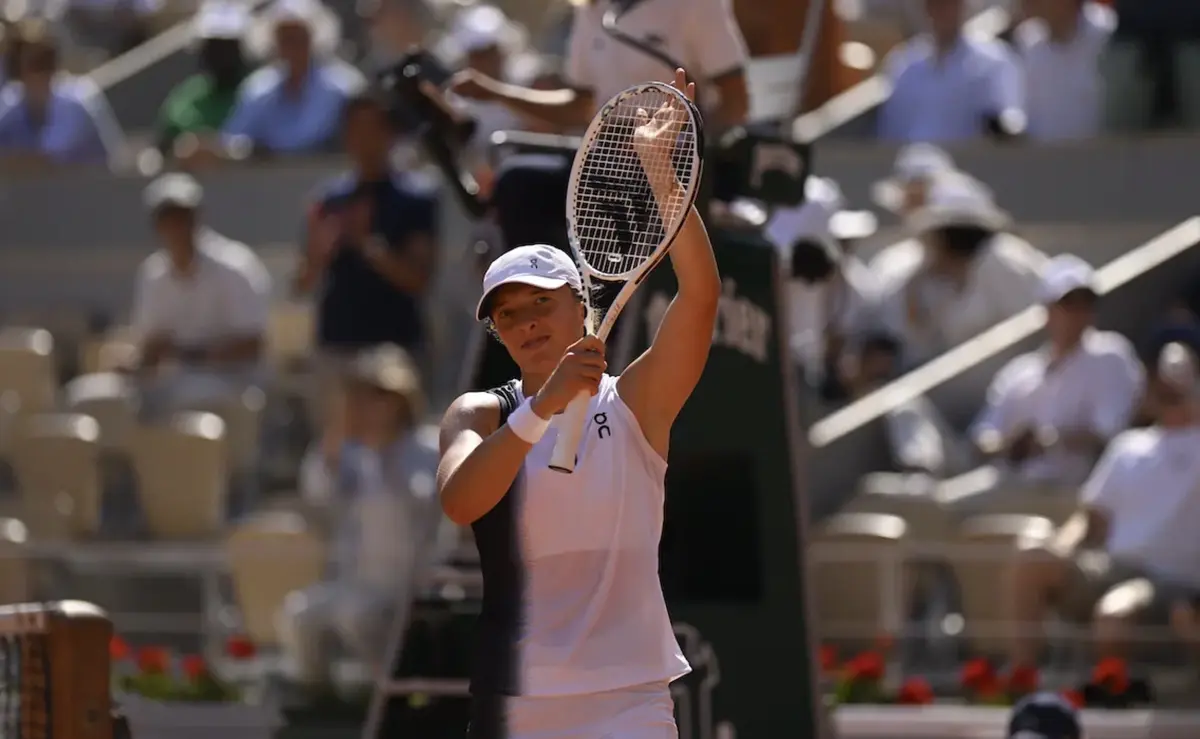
{"x":537,"y":326}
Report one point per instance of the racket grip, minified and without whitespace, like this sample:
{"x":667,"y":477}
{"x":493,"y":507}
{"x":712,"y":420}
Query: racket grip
{"x":570,"y":431}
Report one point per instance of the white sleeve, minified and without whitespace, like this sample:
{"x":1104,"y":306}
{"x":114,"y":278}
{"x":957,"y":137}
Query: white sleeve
{"x":714,"y":41}
{"x":1119,"y":385}
{"x":997,"y":410}
{"x":145,"y":318}
{"x":1006,"y":86}
{"x":248,"y":300}
{"x":577,"y":69}
{"x":1102,"y":488}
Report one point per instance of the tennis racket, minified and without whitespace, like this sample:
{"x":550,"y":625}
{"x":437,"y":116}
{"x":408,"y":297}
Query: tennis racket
{"x":620,"y":225}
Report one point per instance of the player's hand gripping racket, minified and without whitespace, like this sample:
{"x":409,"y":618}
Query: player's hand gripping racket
{"x":632,"y":185}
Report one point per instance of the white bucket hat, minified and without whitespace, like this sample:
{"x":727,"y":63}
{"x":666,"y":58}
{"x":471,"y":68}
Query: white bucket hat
{"x":957,"y":199}
{"x":323,"y":25}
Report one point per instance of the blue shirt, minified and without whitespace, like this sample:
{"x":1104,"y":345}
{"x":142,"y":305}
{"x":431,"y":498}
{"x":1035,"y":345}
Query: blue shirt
{"x":79,"y":127}
{"x":944,"y":100}
{"x":277,"y":120}
{"x":358,"y":307}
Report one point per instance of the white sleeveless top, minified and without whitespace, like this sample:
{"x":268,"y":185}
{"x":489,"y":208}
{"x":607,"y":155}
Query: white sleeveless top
{"x":595,"y":618}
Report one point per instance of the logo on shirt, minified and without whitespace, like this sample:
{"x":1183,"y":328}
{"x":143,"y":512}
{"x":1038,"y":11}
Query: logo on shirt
{"x":602,"y":429}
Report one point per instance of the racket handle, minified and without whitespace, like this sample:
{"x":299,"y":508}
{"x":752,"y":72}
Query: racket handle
{"x":570,"y":431}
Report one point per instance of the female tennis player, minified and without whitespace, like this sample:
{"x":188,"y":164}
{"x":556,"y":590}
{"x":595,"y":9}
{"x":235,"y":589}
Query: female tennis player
{"x":574,"y":638}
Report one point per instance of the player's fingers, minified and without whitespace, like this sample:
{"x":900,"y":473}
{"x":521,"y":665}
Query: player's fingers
{"x":691,"y":91}
{"x":589,"y":344}
{"x":681,"y":79}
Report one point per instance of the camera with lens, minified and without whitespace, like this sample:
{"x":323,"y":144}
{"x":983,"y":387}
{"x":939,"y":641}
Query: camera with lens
{"x":813,"y":260}
{"x":412,"y":91}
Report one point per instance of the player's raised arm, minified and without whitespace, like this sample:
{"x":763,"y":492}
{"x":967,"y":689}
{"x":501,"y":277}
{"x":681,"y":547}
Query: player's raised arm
{"x":659,"y":382}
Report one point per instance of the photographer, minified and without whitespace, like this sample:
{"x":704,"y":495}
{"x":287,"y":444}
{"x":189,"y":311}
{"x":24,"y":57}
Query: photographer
{"x":701,"y":34}
{"x":832,"y":296}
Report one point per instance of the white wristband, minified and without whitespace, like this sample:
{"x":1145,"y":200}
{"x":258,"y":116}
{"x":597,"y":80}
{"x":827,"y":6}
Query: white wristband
{"x":527,"y":425}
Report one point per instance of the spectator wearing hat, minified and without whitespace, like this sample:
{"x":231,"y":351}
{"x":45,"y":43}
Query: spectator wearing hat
{"x":198,"y":107}
{"x":703,"y":35}
{"x":200,"y":305}
{"x":832,"y":296}
{"x":1130,"y":553}
{"x":50,"y":117}
{"x":374,"y":478}
{"x":915,"y":168}
{"x":293,"y":104}
{"x":949,"y":86}
{"x":1050,"y":413}
{"x":1059,"y":48}
{"x":1044,"y":716}
{"x":370,"y":244}
{"x":968,"y":275}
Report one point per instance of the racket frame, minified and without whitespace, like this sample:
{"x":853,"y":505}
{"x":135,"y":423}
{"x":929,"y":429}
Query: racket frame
{"x":570,"y":424}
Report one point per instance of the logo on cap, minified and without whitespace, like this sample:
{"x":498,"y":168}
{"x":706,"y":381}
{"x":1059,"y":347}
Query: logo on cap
{"x":533,"y":263}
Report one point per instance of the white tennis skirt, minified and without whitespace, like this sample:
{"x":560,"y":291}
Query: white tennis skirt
{"x":640,"y":712}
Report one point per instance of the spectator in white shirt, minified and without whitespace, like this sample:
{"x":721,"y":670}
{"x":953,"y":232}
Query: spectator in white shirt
{"x":377,"y":484}
{"x":832,"y":296}
{"x":200,"y":306}
{"x":968,"y":273}
{"x":1050,"y":412}
{"x":949,"y":86}
{"x":1131,"y":551}
{"x":703,"y":35}
{"x":1060,"y":48}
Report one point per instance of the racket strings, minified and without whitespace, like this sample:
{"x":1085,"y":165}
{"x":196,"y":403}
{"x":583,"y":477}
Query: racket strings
{"x":618,"y":223}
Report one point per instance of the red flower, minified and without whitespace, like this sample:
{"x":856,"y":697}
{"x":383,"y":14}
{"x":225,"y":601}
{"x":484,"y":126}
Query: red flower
{"x":977,"y":674}
{"x":153,"y":660}
{"x":239,"y":647}
{"x":884,"y":643}
{"x":866,"y":667}
{"x":829,"y":659}
{"x":118,"y":649}
{"x":1074,"y":697}
{"x":990,"y":690}
{"x":915,"y":692}
{"x":1022,"y":681}
{"x":1112,"y":674}
{"x":194,"y":667}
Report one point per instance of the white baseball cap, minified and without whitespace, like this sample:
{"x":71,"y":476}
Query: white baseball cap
{"x":1064,"y":274}
{"x":479,"y":27}
{"x":177,"y":189}
{"x":539,"y":265}
{"x":221,"y":19}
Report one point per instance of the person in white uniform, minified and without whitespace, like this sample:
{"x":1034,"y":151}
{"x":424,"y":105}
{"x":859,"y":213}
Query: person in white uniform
{"x":702,"y":35}
{"x":574,"y":636}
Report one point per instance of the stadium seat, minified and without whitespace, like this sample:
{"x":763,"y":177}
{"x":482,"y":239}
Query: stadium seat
{"x":271,"y":555}
{"x":111,"y":399}
{"x":1057,"y":505}
{"x":57,"y":470}
{"x":27,"y":377}
{"x":987,"y":546}
{"x":16,"y":584}
{"x":112,"y":351}
{"x":182,"y":474}
{"x":859,"y":574}
{"x":290,"y":333}
{"x":908,"y":496}
{"x":243,"y":423}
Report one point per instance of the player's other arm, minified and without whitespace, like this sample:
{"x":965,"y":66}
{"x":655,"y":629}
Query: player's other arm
{"x":479,"y":458}
{"x":659,"y":382}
